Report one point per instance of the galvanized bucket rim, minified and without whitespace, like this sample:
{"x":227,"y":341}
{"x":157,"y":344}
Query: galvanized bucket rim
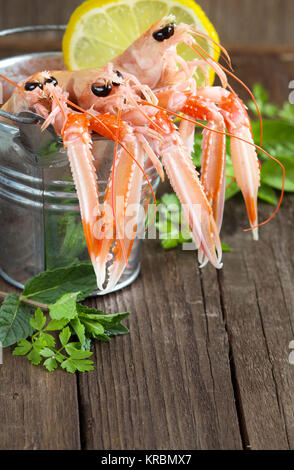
{"x":20,"y":30}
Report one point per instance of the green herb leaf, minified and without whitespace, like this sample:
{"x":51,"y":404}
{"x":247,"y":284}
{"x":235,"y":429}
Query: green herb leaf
{"x":287,"y":113}
{"x":273,"y":178}
{"x":39,"y":320}
{"x":50,"y":364}
{"x":47,"y":352}
{"x":73,"y":365}
{"x":47,"y":339}
{"x":93,"y":328}
{"x":79,"y":330}
{"x":23,"y":347}
{"x":115,"y":330}
{"x":65,"y":307}
{"x":49,"y":286}
{"x":226,"y":248}
{"x":35,"y":357}
{"x":65,"y":336}
{"x":14,"y":321}
{"x":96,"y":322}
{"x":267,"y":194}
{"x":55,"y":325}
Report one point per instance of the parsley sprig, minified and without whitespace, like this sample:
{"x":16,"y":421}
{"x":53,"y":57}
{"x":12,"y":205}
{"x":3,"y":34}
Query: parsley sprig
{"x":62,"y":338}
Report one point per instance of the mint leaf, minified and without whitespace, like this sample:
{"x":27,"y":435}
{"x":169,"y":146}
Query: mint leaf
{"x":49,"y":286}
{"x":118,"y":329}
{"x":267,"y":194}
{"x":65,"y":307}
{"x":23,"y":347}
{"x":271,"y":173}
{"x":100,"y":316}
{"x":50,"y":364}
{"x":93,"y":328}
{"x":65,"y":336}
{"x":14,"y":321}
{"x":39,"y":320}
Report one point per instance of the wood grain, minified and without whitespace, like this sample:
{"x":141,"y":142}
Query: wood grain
{"x":263,"y":22}
{"x":168,"y":384}
{"x":38,"y":410}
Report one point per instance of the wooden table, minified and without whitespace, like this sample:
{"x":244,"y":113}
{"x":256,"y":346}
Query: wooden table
{"x":206,"y":365}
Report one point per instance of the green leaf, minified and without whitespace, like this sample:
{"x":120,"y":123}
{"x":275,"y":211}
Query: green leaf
{"x":169,"y":244}
{"x":65,"y":336}
{"x":273,"y":131}
{"x":260,"y":93}
{"x":100,"y":316}
{"x":49,"y":286}
{"x":22,"y":348}
{"x":47,"y":339}
{"x":287,"y":112}
{"x":47,"y":352}
{"x":79,"y":330}
{"x":39,"y":320}
{"x":35,"y":357}
{"x":115,"y":330}
{"x":226,"y":248}
{"x":267,"y":194}
{"x":273,"y":177}
{"x":65,"y":307}
{"x":81,"y":365}
{"x":93,"y":328}
{"x":50,"y":364}
{"x":95,"y":319}
{"x":170,"y":199}
{"x":77,"y":353}
{"x":55,"y":325}
{"x":14,"y":321}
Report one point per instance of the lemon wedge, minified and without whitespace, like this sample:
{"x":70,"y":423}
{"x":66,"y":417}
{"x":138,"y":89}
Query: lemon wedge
{"x":100,"y":30}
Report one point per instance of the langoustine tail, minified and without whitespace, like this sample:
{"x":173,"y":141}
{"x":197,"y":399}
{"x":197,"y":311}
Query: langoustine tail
{"x":128,"y":188}
{"x":77,"y":140}
{"x":197,"y":211}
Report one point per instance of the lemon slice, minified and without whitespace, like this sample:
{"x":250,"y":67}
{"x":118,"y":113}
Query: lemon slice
{"x":100,"y":30}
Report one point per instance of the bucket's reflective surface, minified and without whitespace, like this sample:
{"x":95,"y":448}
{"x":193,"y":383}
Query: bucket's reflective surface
{"x":40,"y":220}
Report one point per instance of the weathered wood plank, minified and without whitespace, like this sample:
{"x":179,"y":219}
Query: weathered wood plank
{"x":257,"y":294}
{"x":168,"y":384}
{"x":259,"y":319}
{"x":38,"y":410}
{"x":260,"y":22}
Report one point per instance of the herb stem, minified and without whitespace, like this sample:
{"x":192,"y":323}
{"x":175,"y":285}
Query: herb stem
{"x":32,"y":303}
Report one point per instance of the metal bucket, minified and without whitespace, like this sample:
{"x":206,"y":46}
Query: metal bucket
{"x":40,"y":221}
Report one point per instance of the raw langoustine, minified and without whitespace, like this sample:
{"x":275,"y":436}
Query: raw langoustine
{"x":132,"y":101}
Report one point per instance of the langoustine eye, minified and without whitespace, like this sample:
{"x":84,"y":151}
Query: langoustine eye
{"x":31,"y":86}
{"x":164,"y":33}
{"x":51,"y":80}
{"x":101,"y":90}
{"x":119,"y":76}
